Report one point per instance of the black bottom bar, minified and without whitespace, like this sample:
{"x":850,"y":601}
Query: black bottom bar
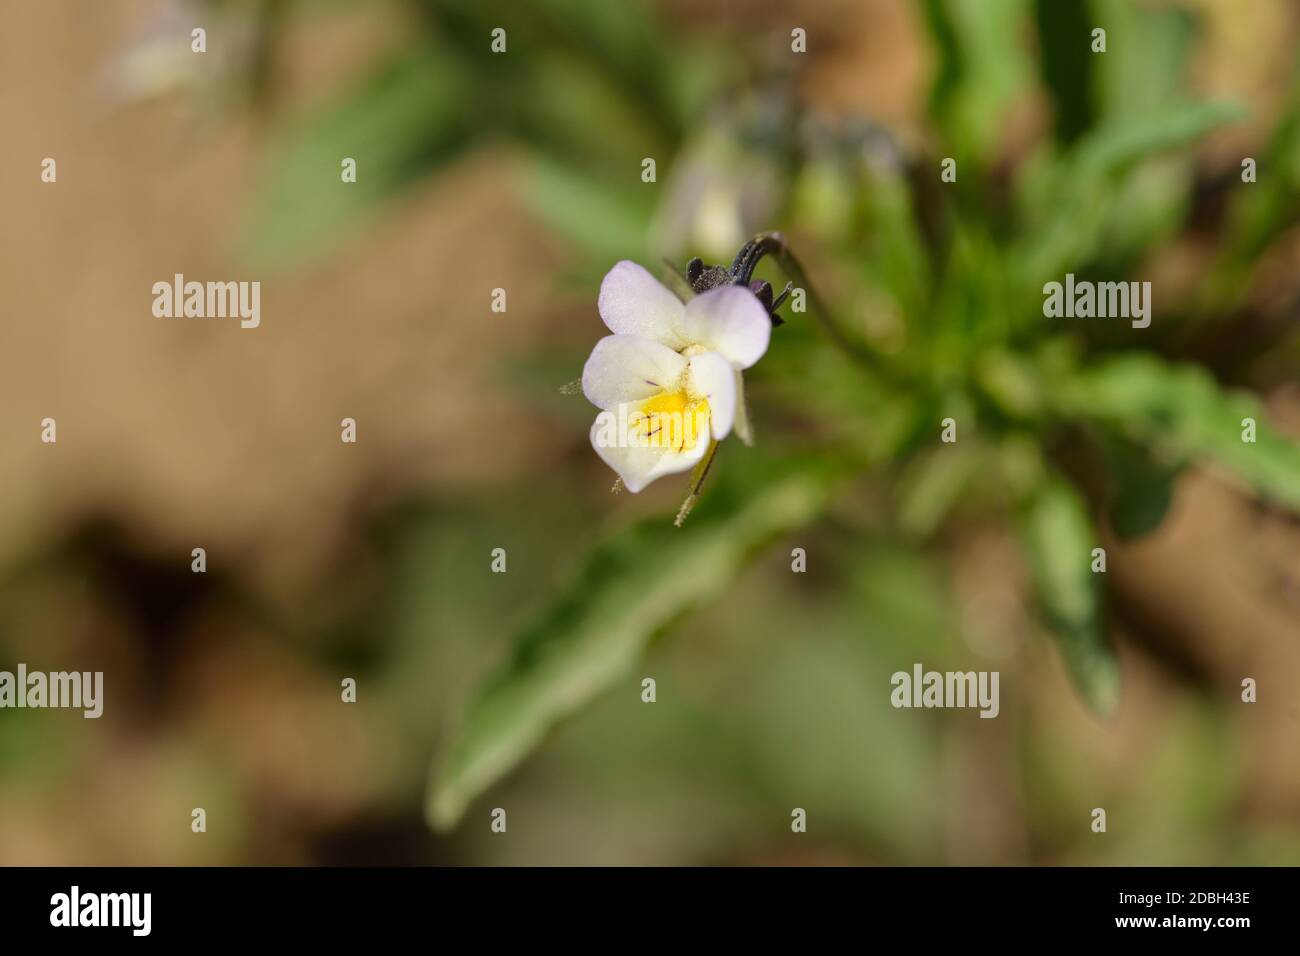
{"x":440,"y":906}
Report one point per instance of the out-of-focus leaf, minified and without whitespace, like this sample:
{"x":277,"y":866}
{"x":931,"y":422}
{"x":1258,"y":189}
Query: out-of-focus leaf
{"x":1260,"y":211}
{"x":1182,"y":413}
{"x":983,"y":66}
{"x":897,"y":256}
{"x":1276,"y":201}
{"x":1059,"y":538}
{"x":971,"y":309}
{"x":629,"y":588}
{"x":1066,"y":232}
{"x":1142,"y":70}
{"x":622,"y":44}
{"x":572,"y":112}
{"x":1139,"y":77}
{"x":1010,"y":382}
{"x":1142,"y":489}
{"x":1067,"y":61}
{"x":632,"y":49}
{"x":593,"y":90}
{"x":1148,"y":208}
{"x":1116,"y":146}
{"x":608,"y":221}
{"x":932,"y":484}
{"x":406,"y":119}
{"x":1140,"y":73}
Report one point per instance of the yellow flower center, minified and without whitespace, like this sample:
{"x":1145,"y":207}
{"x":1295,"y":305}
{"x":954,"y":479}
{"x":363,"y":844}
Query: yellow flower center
{"x":672,"y":420}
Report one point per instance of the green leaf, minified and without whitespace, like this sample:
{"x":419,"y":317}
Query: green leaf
{"x":1260,"y":212}
{"x":1183,"y":414}
{"x":1059,"y":537}
{"x":1066,"y":61}
{"x":983,"y":66}
{"x":1116,"y":146}
{"x":1139,"y":78}
{"x":897,"y":257}
{"x":629,"y":588}
{"x":1144,"y":66}
{"x":970,"y":309}
{"x":604,"y":219}
{"x":1073,"y":205}
{"x":592,"y":92}
{"x":932,"y":486}
{"x":410,"y":116}
{"x":1142,"y":490}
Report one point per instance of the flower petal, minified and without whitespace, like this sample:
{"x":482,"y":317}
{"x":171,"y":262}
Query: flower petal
{"x":626,"y":368}
{"x":732,"y":321}
{"x":713,"y":377}
{"x":636,"y":462}
{"x":633,"y":302}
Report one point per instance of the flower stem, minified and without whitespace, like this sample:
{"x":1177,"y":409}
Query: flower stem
{"x":774,"y":244}
{"x":701,"y":472}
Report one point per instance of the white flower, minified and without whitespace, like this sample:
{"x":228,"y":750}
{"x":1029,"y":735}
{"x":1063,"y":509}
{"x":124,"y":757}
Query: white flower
{"x":668,"y":380}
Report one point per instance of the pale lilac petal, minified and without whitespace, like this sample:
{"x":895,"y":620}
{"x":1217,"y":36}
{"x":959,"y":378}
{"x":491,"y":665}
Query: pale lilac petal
{"x":712,"y":376}
{"x":636,"y":462}
{"x":626,"y":368}
{"x":633,"y":302}
{"x":731,"y":321}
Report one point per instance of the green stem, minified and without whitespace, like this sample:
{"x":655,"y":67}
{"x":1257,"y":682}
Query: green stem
{"x":701,"y":472}
{"x":775,"y":245}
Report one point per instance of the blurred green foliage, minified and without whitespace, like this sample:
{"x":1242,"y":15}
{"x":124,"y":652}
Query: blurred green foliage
{"x":933,"y":297}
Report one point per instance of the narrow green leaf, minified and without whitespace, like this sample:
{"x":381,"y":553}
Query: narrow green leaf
{"x":1079,"y":197}
{"x":1059,"y":539}
{"x":407,"y":118}
{"x":983,"y":67}
{"x":1067,"y":62}
{"x":1116,"y":146}
{"x":599,"y":216}
{"x":1183,"y":414}
{"x":629,"y":588}
{"x":1144,"y":66}
{"x":1259,"y":213}
{"x":932,"y":485}
{"x":897,"y":257}
{"x":1142,"y":488}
